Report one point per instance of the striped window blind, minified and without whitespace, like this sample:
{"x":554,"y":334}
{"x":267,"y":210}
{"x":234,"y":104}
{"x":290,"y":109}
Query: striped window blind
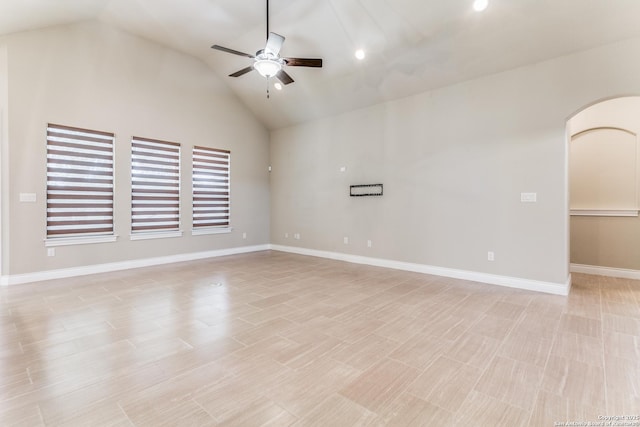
{"x":155,"y":185}
{"x":211,"y":172}
{"x":79,"y":182}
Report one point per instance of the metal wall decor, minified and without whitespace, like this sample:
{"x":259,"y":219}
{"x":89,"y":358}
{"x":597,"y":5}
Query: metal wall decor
{"x":365,"y":190}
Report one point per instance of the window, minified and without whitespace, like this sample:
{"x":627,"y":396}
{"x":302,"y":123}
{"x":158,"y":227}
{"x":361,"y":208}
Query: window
{"x":210,"y":188}
{"x":155,"y":186}
{"x":79,"y":182}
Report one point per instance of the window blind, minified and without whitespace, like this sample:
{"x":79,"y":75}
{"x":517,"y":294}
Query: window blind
{"x":79,"y":182}
{"x":155,"y":185}
{"x":211,"y":168}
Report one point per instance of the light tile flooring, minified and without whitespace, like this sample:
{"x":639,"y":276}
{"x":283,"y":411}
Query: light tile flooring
{"x":278,"y":339}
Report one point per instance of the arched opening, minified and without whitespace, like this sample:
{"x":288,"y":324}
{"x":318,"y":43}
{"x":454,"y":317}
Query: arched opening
{"x":604,"y":188}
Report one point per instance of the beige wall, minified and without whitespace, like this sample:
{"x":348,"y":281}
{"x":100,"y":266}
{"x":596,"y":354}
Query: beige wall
{"x":603,"y":170}
{"x":93,"y":76}
{"x":453,"y":162}
{"x":598,"y":240}
{"x":4,"y":163}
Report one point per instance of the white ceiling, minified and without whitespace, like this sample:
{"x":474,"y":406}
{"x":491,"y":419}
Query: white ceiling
{"x":412,"y":45}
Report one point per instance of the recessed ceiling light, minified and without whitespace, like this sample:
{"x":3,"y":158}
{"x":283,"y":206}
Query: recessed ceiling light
{"x":360,"y":54}
{"x":480,"y":5}
{"x":278,"y":86}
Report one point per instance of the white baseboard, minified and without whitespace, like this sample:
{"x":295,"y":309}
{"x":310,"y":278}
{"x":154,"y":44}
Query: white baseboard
{"x":511,"y":282}
{"x":606,"y":271}
{"x":17,"y":279}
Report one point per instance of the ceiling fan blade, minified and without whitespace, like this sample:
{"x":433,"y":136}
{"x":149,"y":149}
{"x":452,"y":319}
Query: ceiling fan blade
{"x":303,"y":62}
{"x":274,"y":44}
{"x":284,"y":77}
{"x":242,"y":72}
{"x":235,"y":52}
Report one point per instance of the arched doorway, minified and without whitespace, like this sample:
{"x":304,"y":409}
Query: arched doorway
{"x":604,"y":184}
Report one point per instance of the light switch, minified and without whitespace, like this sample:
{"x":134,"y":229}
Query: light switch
{"x":27,"y":197}
{"x":528,"y":197}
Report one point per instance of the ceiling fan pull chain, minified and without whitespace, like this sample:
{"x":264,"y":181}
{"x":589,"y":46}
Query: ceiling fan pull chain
{"x":267,"y":87}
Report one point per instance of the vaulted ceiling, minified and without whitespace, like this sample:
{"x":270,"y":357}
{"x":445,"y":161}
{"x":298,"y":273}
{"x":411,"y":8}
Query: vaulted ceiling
{"x":411,"y":45}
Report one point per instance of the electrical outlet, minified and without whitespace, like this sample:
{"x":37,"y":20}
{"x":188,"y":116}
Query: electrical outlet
{"x":491,"y":256}
{"x":369,"y":243}
{"x":346,"y":240}
{"x":286,"y":235}
{"x":296,"y":236}
{"x":51,"y":251}
{"x":244,"y":235}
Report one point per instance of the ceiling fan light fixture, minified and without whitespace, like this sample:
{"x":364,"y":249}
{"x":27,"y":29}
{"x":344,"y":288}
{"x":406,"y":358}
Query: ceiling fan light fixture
{"x":267,"y":67}
{"x":480,"y":5}
{"x":360,"y":54}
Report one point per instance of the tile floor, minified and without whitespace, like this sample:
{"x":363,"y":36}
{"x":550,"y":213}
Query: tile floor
{"x":278,"y":339}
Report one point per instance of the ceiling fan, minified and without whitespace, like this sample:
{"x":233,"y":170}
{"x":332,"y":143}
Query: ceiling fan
{"x":268,"y":62}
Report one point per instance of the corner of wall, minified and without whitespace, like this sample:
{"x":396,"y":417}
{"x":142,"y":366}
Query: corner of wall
{"x":4,"y":135}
